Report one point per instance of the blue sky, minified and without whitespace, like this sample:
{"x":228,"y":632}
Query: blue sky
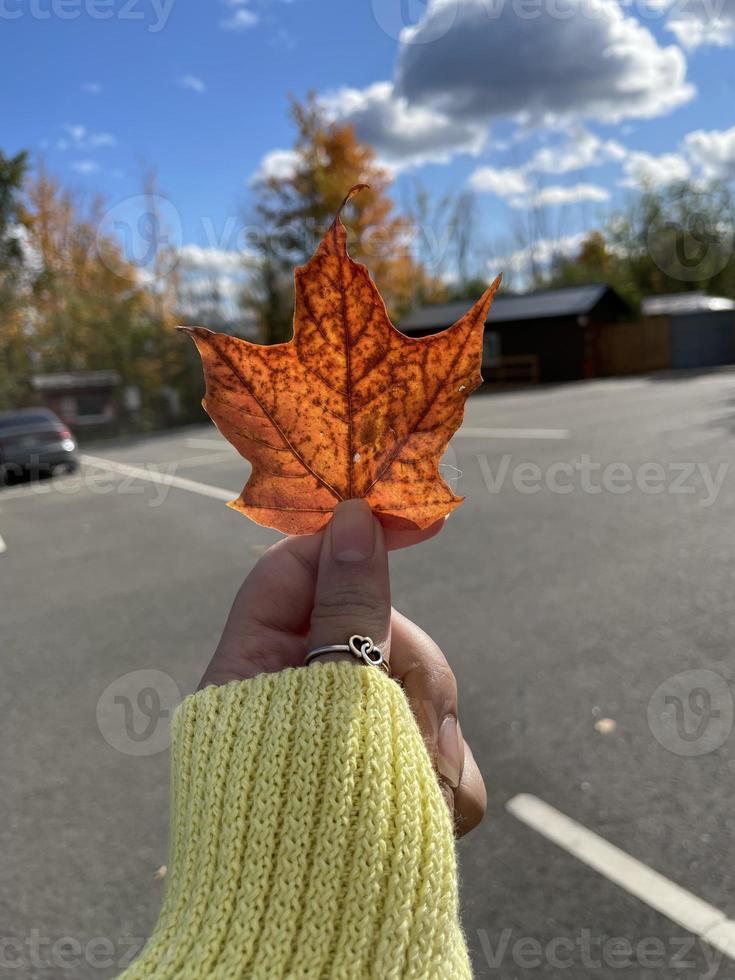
{"x":550,"y":107}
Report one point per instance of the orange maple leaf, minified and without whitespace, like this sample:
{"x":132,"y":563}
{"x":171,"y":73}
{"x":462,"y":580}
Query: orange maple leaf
{"x":350,"y":407}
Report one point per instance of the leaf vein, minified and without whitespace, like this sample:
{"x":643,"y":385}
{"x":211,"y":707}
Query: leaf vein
{"x":327,"y":486}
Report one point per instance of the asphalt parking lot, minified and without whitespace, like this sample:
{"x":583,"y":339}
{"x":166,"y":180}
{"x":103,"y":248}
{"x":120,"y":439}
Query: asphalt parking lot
{"x":585,"y":594}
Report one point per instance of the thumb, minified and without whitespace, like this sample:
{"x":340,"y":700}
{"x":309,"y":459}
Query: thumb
{"x":352,"y":587}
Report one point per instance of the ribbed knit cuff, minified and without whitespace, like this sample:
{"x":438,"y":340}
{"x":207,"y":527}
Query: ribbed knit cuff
{"x":309,"y":837}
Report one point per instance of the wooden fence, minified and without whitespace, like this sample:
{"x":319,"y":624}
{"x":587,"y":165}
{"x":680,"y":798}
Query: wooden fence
{"x":634,"y":348}
{"x":508,"y":372}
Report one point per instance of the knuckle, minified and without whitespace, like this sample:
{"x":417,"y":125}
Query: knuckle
{"x":347,"y":601}
{"x":439,"y":684}
{"x":441,"y":678}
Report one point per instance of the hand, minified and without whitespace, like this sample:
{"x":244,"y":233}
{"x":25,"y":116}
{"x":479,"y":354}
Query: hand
{"x":314,"y":590}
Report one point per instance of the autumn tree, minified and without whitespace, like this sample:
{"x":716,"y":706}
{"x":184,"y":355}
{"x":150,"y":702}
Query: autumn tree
{"x":88,"y":307}
{"x":293,"y":208}
{"x":593,"y":262}
{"x":85,"y":298}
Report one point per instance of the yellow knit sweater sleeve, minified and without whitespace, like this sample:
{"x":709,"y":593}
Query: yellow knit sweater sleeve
{"x":309,"y":837}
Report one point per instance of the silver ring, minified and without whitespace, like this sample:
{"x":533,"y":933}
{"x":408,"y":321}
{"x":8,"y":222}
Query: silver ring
{"x":362,"y":647}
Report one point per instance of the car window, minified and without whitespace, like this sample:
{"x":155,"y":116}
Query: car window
{"x":26,"y":418}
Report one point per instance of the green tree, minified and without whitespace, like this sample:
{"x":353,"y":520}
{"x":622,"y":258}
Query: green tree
{"x":13,"y":216}
{"x":15,"y":353}
{"x":675,"y":239}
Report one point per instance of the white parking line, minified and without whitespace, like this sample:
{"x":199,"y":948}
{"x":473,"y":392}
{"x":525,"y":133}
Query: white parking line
{"x":207,"y":460}
{"x":467,"y":432}
{"x":3,"y":546}
{"x":167,"y":479}
{"x":195,"y":443}
{"x":638,"y":879}
{"x":40,"y":488}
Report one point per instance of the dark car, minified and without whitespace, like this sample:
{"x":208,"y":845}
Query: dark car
{"x":34,"y":441}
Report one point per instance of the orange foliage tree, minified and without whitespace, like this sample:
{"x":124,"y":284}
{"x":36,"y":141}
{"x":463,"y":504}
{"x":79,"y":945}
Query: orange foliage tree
{"x":82,"y":305}
{"x":295,"y":206}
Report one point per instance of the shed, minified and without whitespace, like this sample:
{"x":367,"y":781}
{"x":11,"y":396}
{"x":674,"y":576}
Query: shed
{"x":701,"y":328}
{"x":80,"y":398}
{"x":548,"y":335}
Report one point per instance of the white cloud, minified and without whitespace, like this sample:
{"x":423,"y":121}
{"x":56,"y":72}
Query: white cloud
{"x":240,"y":20}
{"x":540,"y":253}
{"x":218,"y":260}
{"x":80,"y":138}
{"x":696,"y":23}
{"x":243,"y":17}
{"x":493,"y":60}
{"x":193,"y":83}
{"x":713,"y":152}
{"x":581,"y":150}
{"x":520,"y":190}
{"x":102,"y":139}
{"x":85,"y":166}
{"x":702,"y":155}
{"x":227,"y":291}
{"x":489,"y":60}
{"x":559,"y":195}
{"x":655,"y":171}
{"x":77,"y":133}
{"x":403,"y":135}
{"x":278,"y":163}
{"x":211,"y":277}
{"x":501,"y":181}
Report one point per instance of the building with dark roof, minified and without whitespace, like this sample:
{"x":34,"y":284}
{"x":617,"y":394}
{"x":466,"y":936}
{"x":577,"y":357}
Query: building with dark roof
{"x":549,"y":335}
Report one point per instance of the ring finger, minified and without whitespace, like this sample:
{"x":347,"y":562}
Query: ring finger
{"x":426,"y":677}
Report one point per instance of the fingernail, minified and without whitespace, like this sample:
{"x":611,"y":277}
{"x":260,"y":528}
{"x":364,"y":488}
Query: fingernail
{"x":353,"y":531}
{"x":450,"y":751}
